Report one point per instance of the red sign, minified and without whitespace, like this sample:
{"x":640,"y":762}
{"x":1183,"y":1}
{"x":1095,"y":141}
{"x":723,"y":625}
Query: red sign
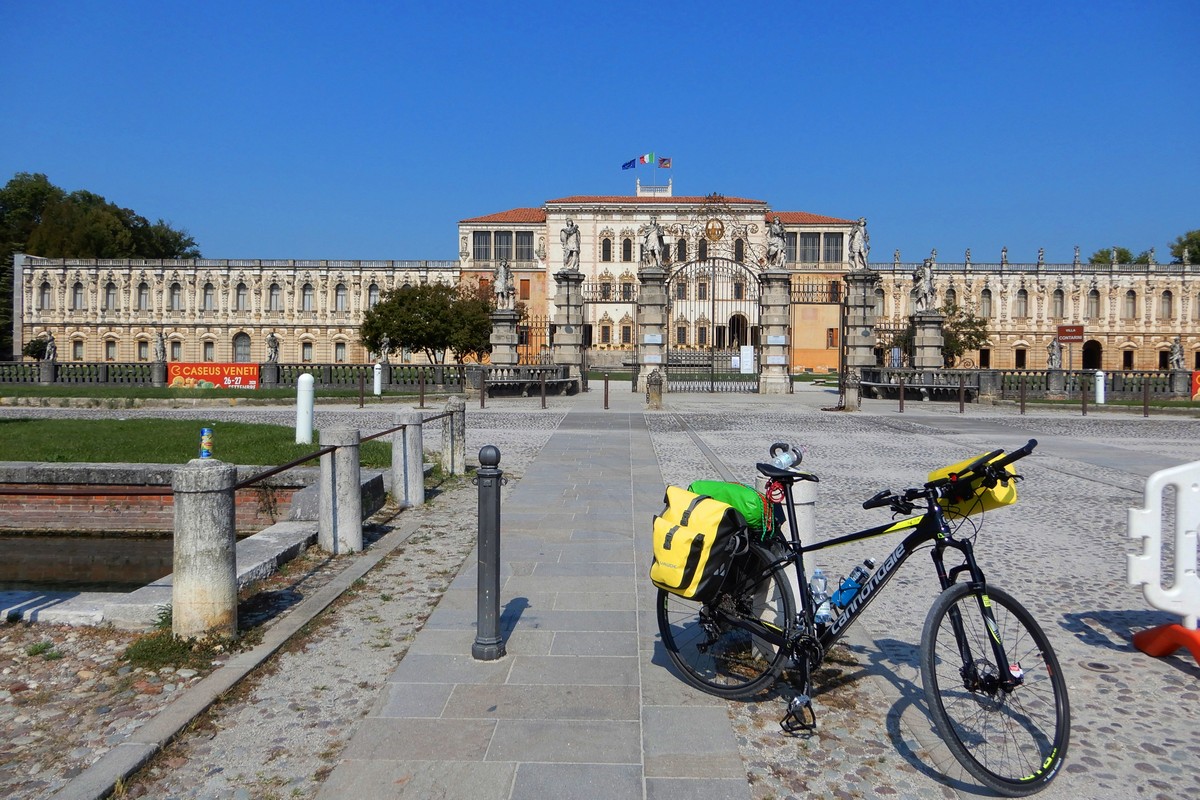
{"x":1196,"y":385}
{"x":1070,"y":334}
{"x":212,"y":376}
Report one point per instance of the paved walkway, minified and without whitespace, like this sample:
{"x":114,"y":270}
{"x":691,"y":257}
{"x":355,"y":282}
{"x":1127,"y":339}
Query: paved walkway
{"x":576,"y":708}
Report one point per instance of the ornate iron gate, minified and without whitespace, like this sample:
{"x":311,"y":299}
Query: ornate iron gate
{"x":713,"y":309}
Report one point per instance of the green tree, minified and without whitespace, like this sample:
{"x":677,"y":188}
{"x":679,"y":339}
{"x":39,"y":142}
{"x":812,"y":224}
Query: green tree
{"x":1104,"y":256}
{"x":1190,"y":240}
{"x":962,"y":332}
{"x":412,"y":317}
{"x":471,"y":336}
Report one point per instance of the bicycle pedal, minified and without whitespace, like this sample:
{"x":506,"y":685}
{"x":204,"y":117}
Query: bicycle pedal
{"x":800,"y":716}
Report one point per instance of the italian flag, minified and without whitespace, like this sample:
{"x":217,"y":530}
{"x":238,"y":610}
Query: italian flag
{"x":647,"y":159}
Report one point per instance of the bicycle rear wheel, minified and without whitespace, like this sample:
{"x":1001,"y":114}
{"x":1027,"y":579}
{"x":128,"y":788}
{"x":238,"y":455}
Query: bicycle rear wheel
{"x":1012,"y":740}
{"x":714,"y":644}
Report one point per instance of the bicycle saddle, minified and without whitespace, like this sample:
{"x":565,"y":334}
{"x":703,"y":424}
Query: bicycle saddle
{"x":769,"y":470}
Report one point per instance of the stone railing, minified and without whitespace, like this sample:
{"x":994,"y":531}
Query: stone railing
{"x":1132,"y":385}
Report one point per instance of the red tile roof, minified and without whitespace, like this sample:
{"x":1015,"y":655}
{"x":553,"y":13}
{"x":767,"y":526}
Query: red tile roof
{"x":805,"y":218}
{"x":517,"y":215}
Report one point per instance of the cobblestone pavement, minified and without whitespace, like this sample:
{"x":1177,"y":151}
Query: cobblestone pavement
{"x":1061,"y":551}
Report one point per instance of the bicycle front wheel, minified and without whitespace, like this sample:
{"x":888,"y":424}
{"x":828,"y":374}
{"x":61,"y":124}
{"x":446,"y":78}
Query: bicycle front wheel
{"x":714,"y":644}
{"x":1011,"y":738}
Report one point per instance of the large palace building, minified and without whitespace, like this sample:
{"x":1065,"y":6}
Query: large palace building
{"x":712,"y":248}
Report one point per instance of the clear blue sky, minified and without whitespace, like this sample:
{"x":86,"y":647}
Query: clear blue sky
{"x":368,"y":129}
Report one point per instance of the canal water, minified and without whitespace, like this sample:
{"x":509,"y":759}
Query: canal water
{"x":83,"y":563}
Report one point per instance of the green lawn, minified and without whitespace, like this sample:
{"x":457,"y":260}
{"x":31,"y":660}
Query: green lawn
{"x":160,"y":441}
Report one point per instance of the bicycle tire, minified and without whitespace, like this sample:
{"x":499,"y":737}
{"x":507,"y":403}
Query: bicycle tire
{"x":715,"y":655}
{"x":1013,"y":742}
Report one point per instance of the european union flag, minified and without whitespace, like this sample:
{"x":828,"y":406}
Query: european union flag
{"x":629,"y":164}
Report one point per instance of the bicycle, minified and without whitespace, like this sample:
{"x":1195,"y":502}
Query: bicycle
{"x":991,"y":679}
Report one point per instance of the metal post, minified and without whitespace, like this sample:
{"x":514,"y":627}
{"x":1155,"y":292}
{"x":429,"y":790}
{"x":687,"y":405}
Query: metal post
{"x":543,"y":390}
{"x":962,"y":393}
{"x":421,"y":386}
{"x":362,"y":389}
{"x":1023,"y":379}
{"x":606,"y":391}
{"x":482,"y":386}
{"x":1083,"y":393}
{"x":1145,"y":396}
{"x":901,"y":394}
{"x":488,"y":645}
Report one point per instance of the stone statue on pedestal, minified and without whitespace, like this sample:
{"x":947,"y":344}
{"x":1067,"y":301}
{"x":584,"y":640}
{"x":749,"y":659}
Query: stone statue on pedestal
{"x":51,"y":351}
{"x":1177,"y":354}
{"x":570,"y":244}
{"x":860,"y":244}
{"x":503,"y":287}
{"x":923,"y":291}
{"x":777,"y":244}
{"x":272,"y":348}
{"x":1054,"y":354}
{"x":160,"y":348}
{"x":653,"y":243}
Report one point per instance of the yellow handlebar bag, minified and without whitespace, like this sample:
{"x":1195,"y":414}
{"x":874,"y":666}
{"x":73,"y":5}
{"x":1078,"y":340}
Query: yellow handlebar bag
{"x":695,"y":540}
{"x":983,"y":499}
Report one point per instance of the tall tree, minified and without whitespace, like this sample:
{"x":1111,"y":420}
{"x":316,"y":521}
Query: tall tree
{"x":1190,"y":240}
{"x":432,"y":318}
{"x":39,"y":218}
{"x":1104,"y":256}
{"x":962,"y":332}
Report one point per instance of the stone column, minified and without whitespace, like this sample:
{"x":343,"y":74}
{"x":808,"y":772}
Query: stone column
{"x":204,"y":585}
{"x":47,"y":372}
{"x":454,"y":437}
{"x":927,"y":345}
{"x":504,"y":338}
{"x":268,"y":374}
{"x":774,"y":370}
{"x":1181,"y":383}
{"x":860,"y":319}
{"x":408,"y":460}
{"x":158,"y":373}
{"x":568,"y":322}
{"x":339,"y":526}
{"x":652,"y":323}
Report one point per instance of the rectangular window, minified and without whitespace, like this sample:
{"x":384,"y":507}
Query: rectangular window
{"x":681,"y":335}
{"x":701,"y":291}
{"x":835,"y":291}
{"x":524,"y":245}
{"x":143,"y":351}
{"x":605,"y":334}
{"x":339,"y":352}
{"x":177,"y":351}
{"x":702,"y":336}
{"x":210,"y":351}
{"x":1021,"y":356}
{"x":77,"y":351}
{"x":626,"y":334}
{"x":831,"y":338}
{"x":524,"y":289}
{"x":810,"y":248}
{"x":503,"y":244}
{"x":833,"y":248}
{"x":110,"y":351}
{"x":1126,"y":359}
{"x":481,"y":249}
{"x":739,"y":291}
{"x":306,"y":351}
{"x":681,"y":290}
{"x":985,"y":358}
{"x":606,"y":291}
{"x":143,"y":297}
{"x":792,"y":246}
{"x":275,"y":298}
{"x":626,"y":291}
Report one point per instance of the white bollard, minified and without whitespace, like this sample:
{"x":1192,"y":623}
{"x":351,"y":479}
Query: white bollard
{"x":1099,"y":387}
{"x":304,"y":409}
{"x":378,"y":379}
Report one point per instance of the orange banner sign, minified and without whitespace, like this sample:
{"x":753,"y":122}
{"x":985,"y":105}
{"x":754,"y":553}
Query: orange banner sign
{"x":212,"y":376}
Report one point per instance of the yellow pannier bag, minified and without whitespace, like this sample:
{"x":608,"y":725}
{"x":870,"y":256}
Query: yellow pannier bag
{"x":983,"y":499}
{"x":695,"y":540}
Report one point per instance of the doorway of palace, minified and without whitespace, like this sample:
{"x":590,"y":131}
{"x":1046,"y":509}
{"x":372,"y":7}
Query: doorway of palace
{"x":713,"y":333}
{"x":1093,"y":354}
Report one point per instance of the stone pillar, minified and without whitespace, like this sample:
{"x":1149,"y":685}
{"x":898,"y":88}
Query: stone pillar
{"x":654,"y":389}
{"x":504,"y":338}
{"x":158,"y":373}
{"x":774,"y":369}
{"x":860,"y":319}
{"x":47,"y":372}
{"x":927,"y":344}
{"x":454,"y":437}
{"x":568,"y":322}
{"x":339,"y":525}
{"x":268,"y":375}
{"x":1056,"y":384}
{"x":408,"y":460}
{"x":204,"y":585}
{"x":1181,"y":383}
{"x":652,"y":323}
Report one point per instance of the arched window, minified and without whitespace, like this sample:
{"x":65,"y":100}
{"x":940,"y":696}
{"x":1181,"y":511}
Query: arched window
{"x":143,"y":301}
{"x":45,"y":297}
{"x":372,"y":295}
{"x":175,"y":298}
{"x":879,"y":302}
{"x":241,"y":348}
{"x":242,"y":298}
{"x":985,"y":304}
{"x":951,"y":297}
{"x":681,"y":252}
{"x":739,"y":250}
{"x":1166,"y":307}
{"x":306,"y":297}
{"x":209,"y":297}
{"x":1057,"y":303}
{"x":627,"y":249}
{"x":702,"y":250}
{"x":1093,"y":304}
{"x":1022,"y":311}
{"x":78,"y":303}
{"x":606,"y":249}
{"x":1130,"y":309}
{"x":274,"y":298}
{"x":339,"y":297}
{"x":110,"y":296}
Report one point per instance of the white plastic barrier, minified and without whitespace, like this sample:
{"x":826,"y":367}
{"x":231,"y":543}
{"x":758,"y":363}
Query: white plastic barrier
{"x":304,"y":409}
{"x":1145,"y":568}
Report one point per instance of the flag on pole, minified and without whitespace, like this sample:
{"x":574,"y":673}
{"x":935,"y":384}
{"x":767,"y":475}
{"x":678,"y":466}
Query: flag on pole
{"x":630,"y":164}
{"x":647,"y":159}
{"x":664,"y":163}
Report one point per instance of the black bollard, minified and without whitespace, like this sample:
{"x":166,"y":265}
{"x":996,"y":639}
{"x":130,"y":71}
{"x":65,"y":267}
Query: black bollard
{"x":488,"y":645}
{"x":606,"y":391}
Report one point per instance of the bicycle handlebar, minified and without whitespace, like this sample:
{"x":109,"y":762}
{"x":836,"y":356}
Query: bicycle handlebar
{"x":984,"y":467}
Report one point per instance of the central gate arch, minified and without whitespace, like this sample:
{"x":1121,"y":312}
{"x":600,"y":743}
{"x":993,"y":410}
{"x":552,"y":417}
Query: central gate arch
{"x":714,"y":308}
